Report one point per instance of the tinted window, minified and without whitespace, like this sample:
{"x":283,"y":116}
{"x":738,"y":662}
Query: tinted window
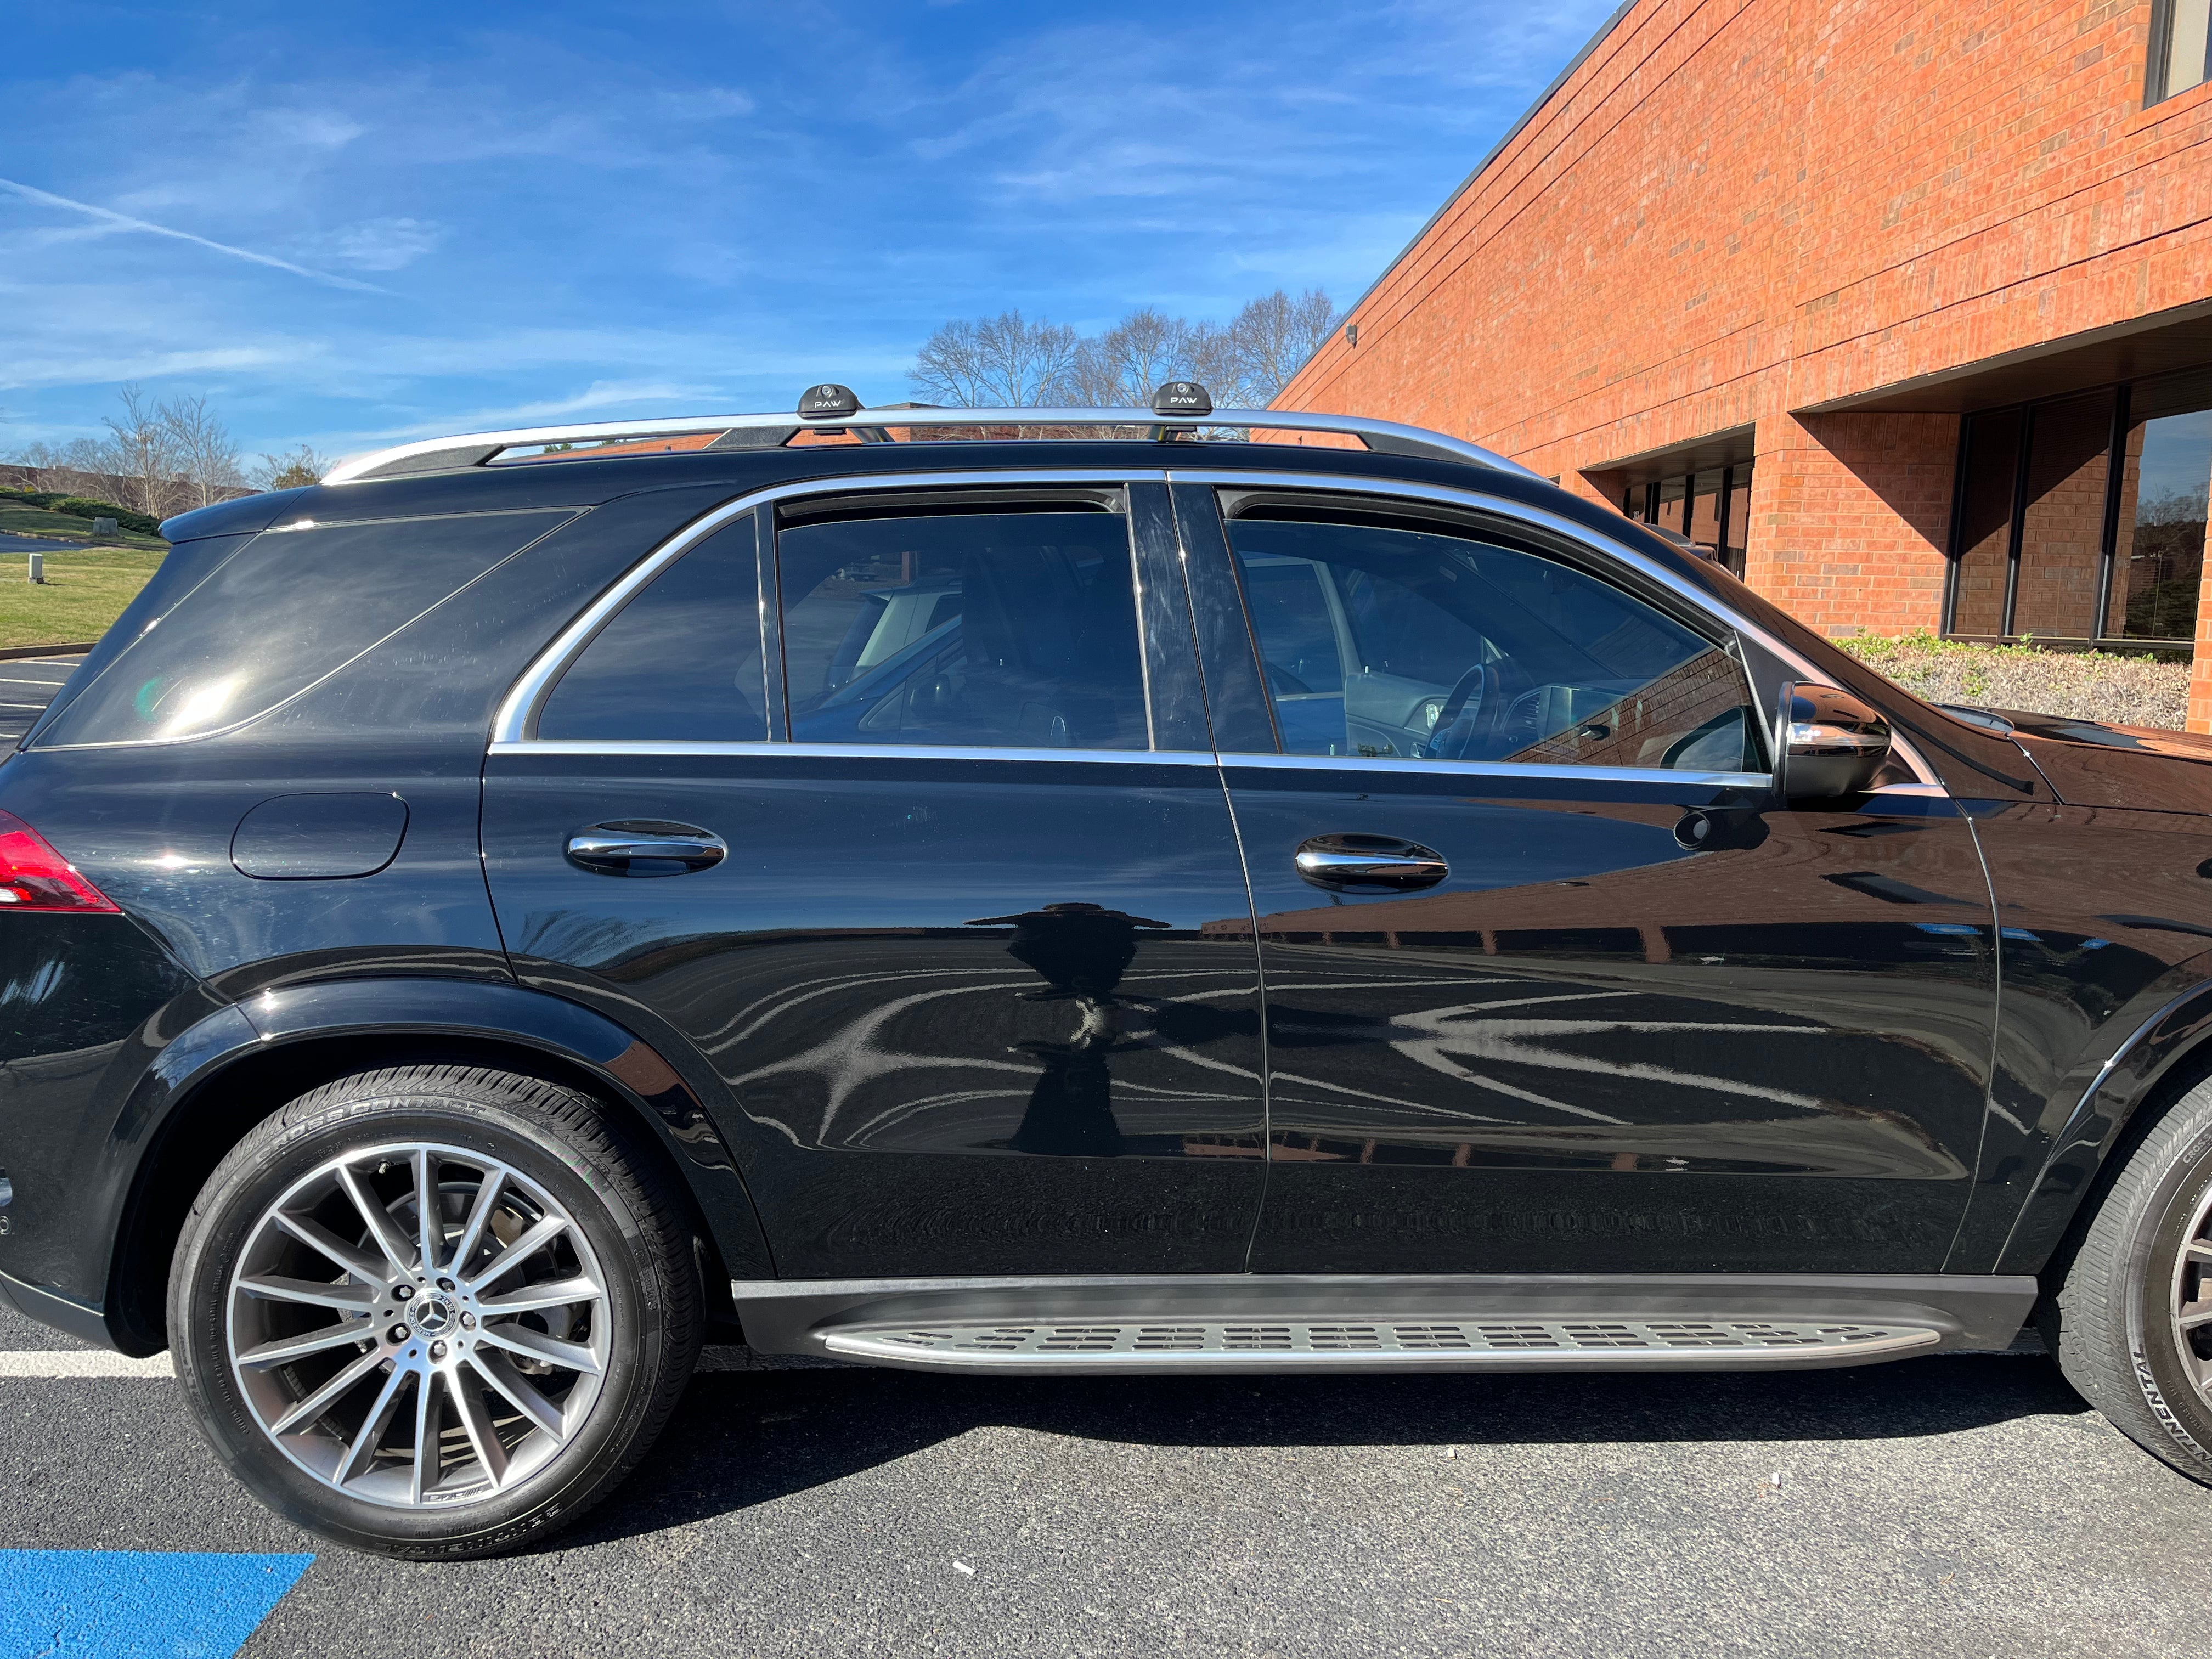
{"x":286,"y":610}
{"x":1383,"y":642}
{"x":1002,"y":630}
{"x":681,"y":661}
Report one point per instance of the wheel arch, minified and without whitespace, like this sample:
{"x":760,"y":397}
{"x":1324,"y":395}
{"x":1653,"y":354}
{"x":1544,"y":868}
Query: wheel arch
{"x":2166,"y":1057}
{"x":188,"y":1116}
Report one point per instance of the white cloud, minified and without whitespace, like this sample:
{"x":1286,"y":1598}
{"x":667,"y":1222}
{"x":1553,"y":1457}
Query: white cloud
{"x":375,"y":244}
{"x":318,"y":129}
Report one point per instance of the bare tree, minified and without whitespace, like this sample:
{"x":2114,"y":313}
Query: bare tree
{"x":1010,"y":363}
{"x":1215,"y":358}
{"x":80,"y":469}
{"x":1005,"y":361}
{"x":295,"y":467}
{"x":207,"y":454}
{"x":143,"y":453}
{"x":1119,"y":369}
{"x":1274,"y":335}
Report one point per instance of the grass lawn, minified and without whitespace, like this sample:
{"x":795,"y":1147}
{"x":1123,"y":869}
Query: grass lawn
{"x":34,"y":521}
{"x":85,"y":590}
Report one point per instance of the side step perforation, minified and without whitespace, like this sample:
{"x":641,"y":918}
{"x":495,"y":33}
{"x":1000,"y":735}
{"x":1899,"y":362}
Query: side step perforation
{"x":1164,"y":1324}
{"x":1298,"y":1344}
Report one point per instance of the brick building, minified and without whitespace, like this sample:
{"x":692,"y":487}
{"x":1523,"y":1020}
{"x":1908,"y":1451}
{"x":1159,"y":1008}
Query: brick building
{"x":1905,"y":308}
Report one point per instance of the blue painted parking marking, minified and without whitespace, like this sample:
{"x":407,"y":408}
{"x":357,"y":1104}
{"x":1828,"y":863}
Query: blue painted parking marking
{"x":135,"y":1604}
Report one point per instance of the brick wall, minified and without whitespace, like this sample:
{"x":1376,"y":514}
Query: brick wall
{"x":1735,"y":209}
{"x":1849,"y":517}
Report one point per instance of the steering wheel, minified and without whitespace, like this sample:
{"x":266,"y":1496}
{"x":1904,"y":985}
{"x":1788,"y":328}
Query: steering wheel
{"x":1455,"y":720}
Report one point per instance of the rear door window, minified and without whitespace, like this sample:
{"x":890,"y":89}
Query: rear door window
{"x":982,"y":630}
{"x":289,"y":607}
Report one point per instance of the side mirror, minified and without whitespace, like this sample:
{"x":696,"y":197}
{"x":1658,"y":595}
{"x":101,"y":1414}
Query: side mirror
{"x":1831,"y":743}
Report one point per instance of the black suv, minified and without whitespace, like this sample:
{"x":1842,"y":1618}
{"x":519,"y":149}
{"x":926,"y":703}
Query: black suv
{"x":1114,"y":891}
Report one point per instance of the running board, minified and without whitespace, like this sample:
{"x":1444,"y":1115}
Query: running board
{"x":1314,"y":1322}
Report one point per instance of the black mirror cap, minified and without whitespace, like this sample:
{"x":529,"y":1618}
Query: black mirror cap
{"x":1181,"y":398}
{"x":1830,"y":745}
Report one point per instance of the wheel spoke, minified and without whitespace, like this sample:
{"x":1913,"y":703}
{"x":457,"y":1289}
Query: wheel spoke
{"x":429,"y":1222}
{"x":287,"y":1348}
{"x":311,"y":1409}
{"x":328,"y":1276}
{"x":2189,"y":1321}
{"x":389,"y":1239}
{"x":2200,"y":1251}
{"x":532,"y":1240}
{"x":425,"y":1474}
{"x":350,"y":1298}
{"x":313,"y":1234}
{"x":476,"y":1423}
{"x":553,"y":1294}
{"x":480,"y":1213}
{"x":363,"y":1452}
{"x":536,"y":1345}
{"x":520,"y":1393}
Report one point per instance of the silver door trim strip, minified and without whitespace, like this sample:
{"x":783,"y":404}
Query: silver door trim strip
{"x":853,"y":751}
{"x":1354,"y":765}
{"x":512,"y":723}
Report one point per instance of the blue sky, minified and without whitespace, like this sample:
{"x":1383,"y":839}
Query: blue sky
{"x":353,"y":224}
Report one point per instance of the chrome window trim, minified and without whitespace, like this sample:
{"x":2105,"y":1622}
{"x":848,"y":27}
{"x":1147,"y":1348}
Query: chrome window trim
{"x":1356,"y":765}
{"x":360,"y":468}
{"x":512,"y":723}
{"x":674,"y":747}
{"x":1445,"y":494}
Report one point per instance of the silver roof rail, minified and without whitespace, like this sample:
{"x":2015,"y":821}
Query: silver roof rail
{"x":613,"y":439}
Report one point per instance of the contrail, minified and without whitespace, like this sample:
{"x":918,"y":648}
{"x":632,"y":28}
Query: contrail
{"x":107,"y":216}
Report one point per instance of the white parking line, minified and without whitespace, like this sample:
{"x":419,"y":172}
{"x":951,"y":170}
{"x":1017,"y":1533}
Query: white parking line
{"x":81,"y":1362}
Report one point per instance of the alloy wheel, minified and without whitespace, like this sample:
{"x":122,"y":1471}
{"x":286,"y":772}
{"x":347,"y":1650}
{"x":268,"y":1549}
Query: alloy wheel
{"x":417,"y":1325}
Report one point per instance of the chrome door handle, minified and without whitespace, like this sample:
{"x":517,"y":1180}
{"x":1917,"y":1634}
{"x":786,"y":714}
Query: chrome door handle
{"x":1378,"y":864}
{"x":644,"y":847}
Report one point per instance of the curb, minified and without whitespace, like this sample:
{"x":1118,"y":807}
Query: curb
{"x":17,"y":653}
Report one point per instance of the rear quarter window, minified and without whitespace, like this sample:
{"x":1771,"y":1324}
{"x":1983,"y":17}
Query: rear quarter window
{"x":289,"y":607}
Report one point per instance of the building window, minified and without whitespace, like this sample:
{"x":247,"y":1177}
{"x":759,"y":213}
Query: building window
{"x":2081,"y":520}
{"x":1712,"y":508}
{"x":2158,"y":563}
{"x":2180,"y":47}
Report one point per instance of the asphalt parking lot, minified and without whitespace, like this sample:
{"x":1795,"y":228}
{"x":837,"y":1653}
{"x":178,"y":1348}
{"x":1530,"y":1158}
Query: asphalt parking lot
{"x":28,"y":684}
{"x":1964,"y":1505}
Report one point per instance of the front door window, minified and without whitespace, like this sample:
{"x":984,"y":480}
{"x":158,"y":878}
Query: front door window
{"x":1385,"y":642}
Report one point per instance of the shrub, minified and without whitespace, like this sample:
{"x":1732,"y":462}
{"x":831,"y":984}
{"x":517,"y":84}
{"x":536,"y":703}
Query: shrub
{"x":78,"y":507}
{"x":2094,"y":685}
{"x":41,"y":498}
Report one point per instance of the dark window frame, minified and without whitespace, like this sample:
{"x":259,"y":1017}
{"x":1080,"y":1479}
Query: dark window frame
{"x":1640,"y":504}
{"x":2161,"y":53}
{"x":2122,"y":396}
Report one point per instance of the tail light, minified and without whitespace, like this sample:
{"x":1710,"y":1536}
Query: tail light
{"x":35,"y":877}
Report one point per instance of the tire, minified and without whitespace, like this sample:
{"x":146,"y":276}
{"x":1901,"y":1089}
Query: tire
{"x":2112,"y":1323}
{"x":470,"y":1425}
